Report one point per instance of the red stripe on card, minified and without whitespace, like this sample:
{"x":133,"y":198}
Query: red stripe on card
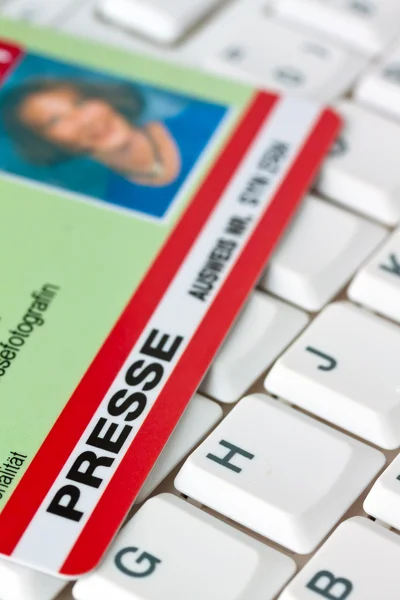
{"x":184,"y":380}
{"x":92,"y":389}
{"x":10,"y":55}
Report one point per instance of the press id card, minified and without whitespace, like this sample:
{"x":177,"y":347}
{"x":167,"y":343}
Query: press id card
{"x":139,"y":203}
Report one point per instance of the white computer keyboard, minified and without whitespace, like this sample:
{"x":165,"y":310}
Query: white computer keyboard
{"x":247,"y":490}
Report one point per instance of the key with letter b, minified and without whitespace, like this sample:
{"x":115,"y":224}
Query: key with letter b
{"x":172,"y":550}
{"x":360,"y":561}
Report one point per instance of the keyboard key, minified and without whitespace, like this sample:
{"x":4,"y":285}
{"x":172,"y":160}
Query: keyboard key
{"x":368,"y":25}
{"x":279,"y":472}
{"x":322,"y":248}
{"x":20,"y":583}
{"x":36,"y":11}
{"x":379,"y":88}
{"x":383,"y":501}
{"x":200,"y":416}
{"x":377,"y":285}
{"x":362,"y":172}
{"x":360,"y":561}
{"x":271,"y":55}
{"x":264,"y":329}
{"x":344,"y":369}
{"x":174,"y":551}
{"x":164,"y":21}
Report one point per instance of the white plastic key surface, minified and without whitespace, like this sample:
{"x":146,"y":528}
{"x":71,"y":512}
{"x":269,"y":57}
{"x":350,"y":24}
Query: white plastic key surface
{"x":173,"y":551}
{"x":200,"y":416}
{"x":377,"y":284}
{"x":362,"y":171}
{"x":278,"y":472}
{"x":164,"y":21}
{"x":360,"y":561}
{"x":345,"y":369}
{"x":273,"y":56}
{"x":383,"y":501}
{"x":20,"y":583}
{"x":263,"y":330}
{"x":39,"y":12}
{"x":321,"y":250}
{"x":368,"y":25}
{"x":379,"y":88}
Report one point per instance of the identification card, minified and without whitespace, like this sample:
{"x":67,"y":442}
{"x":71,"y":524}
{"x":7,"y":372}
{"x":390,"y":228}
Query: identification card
{"x":139,"y":203}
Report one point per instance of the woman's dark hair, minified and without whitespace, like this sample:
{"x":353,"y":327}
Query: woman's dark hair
{"x":123,"y":97}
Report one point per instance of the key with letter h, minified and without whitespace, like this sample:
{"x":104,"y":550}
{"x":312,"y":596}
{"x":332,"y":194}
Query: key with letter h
{"x":254,"y":468}
{"x":225,"y":462}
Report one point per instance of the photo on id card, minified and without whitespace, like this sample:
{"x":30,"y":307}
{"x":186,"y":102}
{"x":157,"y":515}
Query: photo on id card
{"x":100,"y":137}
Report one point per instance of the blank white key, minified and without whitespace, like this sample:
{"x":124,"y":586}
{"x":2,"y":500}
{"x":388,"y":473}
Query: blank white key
{"x":319,"y":253}
{"x":383,"y":501}
{"x":173,"y":551}
{"x":199,"y":417}
{"x":379,"y":88}
{"x":164,"y":21}
{"x":363,"y":172}
{"x":20,"y":583}
{"x":263,"y":330}
{"x":345,"y":369}
{"x":271,"y":55}
{"x":377,"y":285}
{"x":360,"y":561}
{"x":279,"y":472}
{"x":368,"y":25}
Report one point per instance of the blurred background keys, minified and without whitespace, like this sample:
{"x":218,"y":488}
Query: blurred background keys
{"x":362,"y":172}
{"x":379,"y":88}
{"x":368,"y":25}
{"x":163,"y":21}
{"x":277,"y":57}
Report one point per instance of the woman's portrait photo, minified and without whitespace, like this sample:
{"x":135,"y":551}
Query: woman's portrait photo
{"x":102,"y":137}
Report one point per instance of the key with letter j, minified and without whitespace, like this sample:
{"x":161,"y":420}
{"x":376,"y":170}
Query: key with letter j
{"x":344,"y":369}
